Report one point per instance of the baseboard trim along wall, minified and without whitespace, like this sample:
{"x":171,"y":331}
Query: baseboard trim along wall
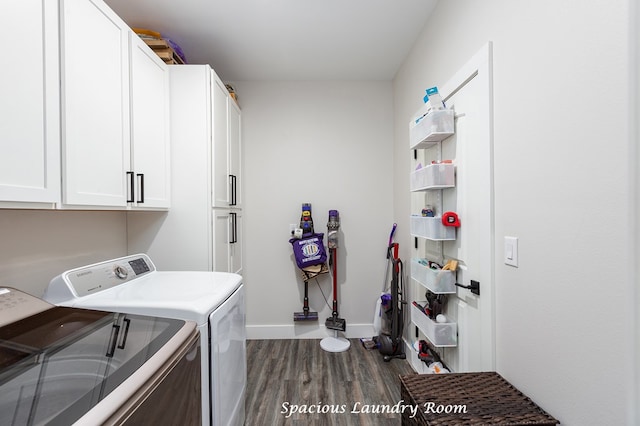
{"x":313,"y":330}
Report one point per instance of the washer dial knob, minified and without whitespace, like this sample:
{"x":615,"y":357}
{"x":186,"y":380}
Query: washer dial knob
{"x":121,"y":272}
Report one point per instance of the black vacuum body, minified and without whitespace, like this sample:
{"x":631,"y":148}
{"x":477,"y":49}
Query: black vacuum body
{"x":391,"y":345}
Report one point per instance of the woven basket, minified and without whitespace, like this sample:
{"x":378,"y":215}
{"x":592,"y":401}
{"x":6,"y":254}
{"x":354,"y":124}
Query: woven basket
{"x":487,"y":398}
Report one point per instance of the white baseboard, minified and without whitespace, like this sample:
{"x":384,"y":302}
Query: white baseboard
{"x":308,"y":330}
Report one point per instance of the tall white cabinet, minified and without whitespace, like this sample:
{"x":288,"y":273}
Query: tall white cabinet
{"x":203,"y":228}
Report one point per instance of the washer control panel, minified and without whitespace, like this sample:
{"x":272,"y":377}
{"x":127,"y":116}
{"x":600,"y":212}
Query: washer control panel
{"x":16,"y":305}
{"x":100,"y":276}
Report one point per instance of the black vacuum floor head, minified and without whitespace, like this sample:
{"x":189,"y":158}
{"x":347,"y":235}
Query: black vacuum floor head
{"x":335,"y":323}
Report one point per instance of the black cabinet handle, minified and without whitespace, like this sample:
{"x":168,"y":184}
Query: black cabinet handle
{"x":141,"y":186}
{"x":127,"y":323}
{"x":130,"y":197}
{"x":233,"y":183}
{"x":234,"y":228}
{"x":114,"y":340}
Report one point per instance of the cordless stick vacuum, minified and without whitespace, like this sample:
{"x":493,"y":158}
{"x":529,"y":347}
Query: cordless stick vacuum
{"x":306,"y":224}
{"x":335,"y":343}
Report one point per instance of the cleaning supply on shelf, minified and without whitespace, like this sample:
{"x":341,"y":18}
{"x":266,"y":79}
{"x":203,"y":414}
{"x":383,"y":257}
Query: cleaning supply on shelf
{"x":434,"y":99}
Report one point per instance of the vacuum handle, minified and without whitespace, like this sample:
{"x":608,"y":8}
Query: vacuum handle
{"x":393,"y":231}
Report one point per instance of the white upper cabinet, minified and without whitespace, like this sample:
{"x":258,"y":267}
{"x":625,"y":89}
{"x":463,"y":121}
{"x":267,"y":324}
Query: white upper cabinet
{"x":95,"y":105}
{"x":150,"y":148}
{"x":235,"y":154}
{"x":227,"y":179}
{"x":115,"y":113}
{"x":29,"y":105}
{"x":221,"y":179}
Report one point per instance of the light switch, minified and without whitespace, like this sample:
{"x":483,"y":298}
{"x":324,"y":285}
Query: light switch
{"x":511,"y":251}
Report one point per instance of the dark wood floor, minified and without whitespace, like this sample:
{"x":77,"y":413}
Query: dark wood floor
{"x":287,"y":374}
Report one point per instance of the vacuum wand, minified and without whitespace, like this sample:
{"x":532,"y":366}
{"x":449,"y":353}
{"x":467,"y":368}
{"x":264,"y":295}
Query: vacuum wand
{"x":334,"y":322}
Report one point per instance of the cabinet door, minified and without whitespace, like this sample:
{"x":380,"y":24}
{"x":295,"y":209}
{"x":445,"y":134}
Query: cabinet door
{"x":235,"y":153}
{"x":222,"y":237}
{"x":95,"y":104}
{"x":227,"y":240}
{"x":29,"y":102}
{"x":235,"y":246}
{"x":220,"y":173}
{"x":149,"y":126}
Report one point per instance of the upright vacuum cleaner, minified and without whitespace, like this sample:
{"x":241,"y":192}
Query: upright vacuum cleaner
{"x":335,"y":343}
{"x":391,"y":345}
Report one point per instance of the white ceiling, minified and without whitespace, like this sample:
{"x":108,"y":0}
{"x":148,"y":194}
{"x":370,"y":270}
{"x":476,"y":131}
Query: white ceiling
{"x":286,"y":39}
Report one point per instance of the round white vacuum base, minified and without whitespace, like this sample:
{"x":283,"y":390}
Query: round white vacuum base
{"x":335,"y":344}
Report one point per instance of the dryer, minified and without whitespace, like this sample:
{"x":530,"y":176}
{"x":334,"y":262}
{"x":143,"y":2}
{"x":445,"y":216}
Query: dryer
{"x":214,"y":300}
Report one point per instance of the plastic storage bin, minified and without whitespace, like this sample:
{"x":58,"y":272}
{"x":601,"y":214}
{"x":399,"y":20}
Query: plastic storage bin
{"x":433,"y":176}
{"x":439,"y":334}
{"x":431,"y":228}
{"x":432,"y":128}
{"x":436,"y":280}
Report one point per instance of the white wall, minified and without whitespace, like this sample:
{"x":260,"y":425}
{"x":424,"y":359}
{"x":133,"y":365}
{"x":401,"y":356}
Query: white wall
{"x":564,"y":325}
{"x":37,"y":245}
{"x":330,"y":144}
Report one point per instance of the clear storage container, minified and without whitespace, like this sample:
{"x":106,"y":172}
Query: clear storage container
{"x":431,"y":228}
{"x":436,"y":280}
{"x":439,"y":334}
{"x":433,"y":176}
{"x":434,"y":127}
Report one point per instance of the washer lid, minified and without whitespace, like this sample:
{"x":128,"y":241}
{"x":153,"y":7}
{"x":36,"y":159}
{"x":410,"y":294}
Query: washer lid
{"x":58,"y":364}
{"x":189,"y":295}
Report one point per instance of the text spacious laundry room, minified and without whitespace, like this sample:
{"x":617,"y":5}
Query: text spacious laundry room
{"x":418,"y":212}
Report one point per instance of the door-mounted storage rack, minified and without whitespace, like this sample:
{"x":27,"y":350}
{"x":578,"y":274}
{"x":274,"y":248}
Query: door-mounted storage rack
{"x":431,"y":128}
{"x":426,"y":132}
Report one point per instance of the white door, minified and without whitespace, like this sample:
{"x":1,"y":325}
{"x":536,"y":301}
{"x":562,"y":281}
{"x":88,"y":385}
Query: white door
{"x":228,"y":361}
{"x":222,"y":238}
{"x":469,"y":93}
{"x":235,"y":147}
{"x":220,"y":161}
{"x":235,"y":246}
{"x":95,"y":104}
{"x":149,"y":126}
{"x":29,"y":102}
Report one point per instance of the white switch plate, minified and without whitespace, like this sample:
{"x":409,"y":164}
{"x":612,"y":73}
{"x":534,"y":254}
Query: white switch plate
{"x":511,"y":251}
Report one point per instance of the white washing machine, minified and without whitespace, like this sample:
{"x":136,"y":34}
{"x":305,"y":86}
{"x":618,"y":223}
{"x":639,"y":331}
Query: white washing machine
{"x":63,"y":366}
{"x":214,"y":300}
